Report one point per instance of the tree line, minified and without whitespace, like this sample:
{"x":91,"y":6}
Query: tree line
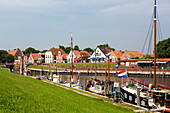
{"x":5,"y":57}
{"x":163,"y":51}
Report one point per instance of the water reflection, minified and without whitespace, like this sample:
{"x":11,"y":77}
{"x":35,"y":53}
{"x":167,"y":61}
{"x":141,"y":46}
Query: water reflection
{"x":164,"y":81}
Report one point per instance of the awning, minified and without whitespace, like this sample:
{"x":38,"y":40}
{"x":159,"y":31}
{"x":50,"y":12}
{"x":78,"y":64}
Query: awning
{"x":161,"y":62}
{"x":97,"y":57}
{"x":77,"y":59}
{"x":89,"y":58}
{"x":144,"y":61}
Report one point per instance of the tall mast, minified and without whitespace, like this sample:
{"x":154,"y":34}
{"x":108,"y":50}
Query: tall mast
{"x":108,"y":69}
{"x":95,"y":64}
{"x":155,"y":44}
{"x":71,"y":54}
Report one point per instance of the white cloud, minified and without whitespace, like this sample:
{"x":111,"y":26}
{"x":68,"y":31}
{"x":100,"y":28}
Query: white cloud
{"x":29,"y":3}
{"x":134,"y":8}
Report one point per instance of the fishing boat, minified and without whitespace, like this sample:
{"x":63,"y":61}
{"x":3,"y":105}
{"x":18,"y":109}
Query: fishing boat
{"x":71,"y":81}
{"x":154,"y":98}
{"x":97,"y":86}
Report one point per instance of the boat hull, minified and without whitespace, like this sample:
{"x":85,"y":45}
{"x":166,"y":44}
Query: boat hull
{"x":132,"y":98}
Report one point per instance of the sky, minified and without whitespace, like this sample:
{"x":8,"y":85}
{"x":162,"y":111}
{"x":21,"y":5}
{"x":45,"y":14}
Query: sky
{"x":43,"y":24}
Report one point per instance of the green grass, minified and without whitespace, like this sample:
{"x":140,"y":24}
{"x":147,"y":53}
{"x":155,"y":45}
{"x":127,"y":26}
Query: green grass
{"x":24,"y":94}
{"x":40,"y":67}
{"x":67,"y":65}
{"x":87,"y":65}
{"x":3,"y":67}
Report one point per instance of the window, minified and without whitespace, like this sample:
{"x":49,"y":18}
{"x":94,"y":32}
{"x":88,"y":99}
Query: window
{"x":130,"y":98}
{"x":125,"y":95}
{"x":135,"y":100}
{"x":143,"y":103}
{"x":132,"y":55}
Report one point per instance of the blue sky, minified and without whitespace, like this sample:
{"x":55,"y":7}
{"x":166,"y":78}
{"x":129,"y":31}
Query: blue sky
{"x":43,"y":24}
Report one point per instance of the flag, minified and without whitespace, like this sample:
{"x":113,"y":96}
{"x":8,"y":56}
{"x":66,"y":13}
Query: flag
{"x":108,"y":55}
{"x":122,"y":74}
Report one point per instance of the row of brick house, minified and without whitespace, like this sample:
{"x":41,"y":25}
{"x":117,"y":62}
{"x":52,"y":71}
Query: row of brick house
{"x":28,"y":59}
{"x":56,"y":55}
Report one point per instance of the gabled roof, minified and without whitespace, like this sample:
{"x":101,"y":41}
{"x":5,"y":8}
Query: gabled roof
{"x":76,"y":52}
{"x":84,"y":54}
{"x":12,"y":52}
{"x":42,"y":53}
{"x":105,"y":50}
{"x":118,"y":53}
{"x":133,"y":54}
{"x":35,"y":55}
{"x":56,"y":50}
{"x":15,"y":51}
{"x":81,"y":53}
{"x":65,"y":56}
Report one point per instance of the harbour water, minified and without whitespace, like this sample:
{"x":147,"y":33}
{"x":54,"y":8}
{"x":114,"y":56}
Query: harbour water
{"x":164,"y":81}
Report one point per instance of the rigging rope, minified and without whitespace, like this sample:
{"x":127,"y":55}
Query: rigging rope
{"x":149,"y":32}
{"x":151,"y":25}
{"x":149,"y":36}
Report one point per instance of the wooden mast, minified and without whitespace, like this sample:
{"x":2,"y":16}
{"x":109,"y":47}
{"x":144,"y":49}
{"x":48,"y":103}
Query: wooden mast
{"x":108,"y":69}
{"x":155,"y":44}
{"x":95,"y":64}
{"x":71,"y":54}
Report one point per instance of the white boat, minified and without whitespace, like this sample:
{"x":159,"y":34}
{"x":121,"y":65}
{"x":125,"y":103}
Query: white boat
{"x":156,"y":99}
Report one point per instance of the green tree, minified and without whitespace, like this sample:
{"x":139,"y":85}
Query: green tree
{"x":106,"y":45}
{"x":147,"y":57}
{"x":67,"y":50}
{"x":2,"y":55}
{"x":103,"y":45}
{"x":89,"y":50}
{"x":62,"y":47}
{"x":137,"y":58}
{"x":163,"y":48}
{"x":30,"y":50}
{"x":9,"y":58}
{"x":76,"y":47}
{"x":5,"y":57}
{"x":43,"y":51}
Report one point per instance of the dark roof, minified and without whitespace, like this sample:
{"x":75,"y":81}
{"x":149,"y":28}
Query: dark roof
{"x":56,"y":50}
{"x":84,"y":53}
{"x":105,"y":50}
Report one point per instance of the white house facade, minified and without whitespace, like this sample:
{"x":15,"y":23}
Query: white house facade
{"x":49,"y":58}
{"x":100,"y":56}
{"x":69,"y":57}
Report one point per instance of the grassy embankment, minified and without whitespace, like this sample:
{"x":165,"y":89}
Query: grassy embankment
{"x":87,"y":65}
{"x":24,"y":94}
{"x":40,"y":67}
{"x":67,"y":65}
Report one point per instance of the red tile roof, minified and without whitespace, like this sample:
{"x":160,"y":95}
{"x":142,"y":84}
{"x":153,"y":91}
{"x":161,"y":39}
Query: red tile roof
{"x":133,"y":54}
{"x":84,"y":54}
{"x":146,"y":54}
{"x":12,"y":52}
{"x":55,"y":51}
{"x":81,"y":53}
{"x":35,"y":56}
{"x":42,"y":53}
{"x":118,"y":53}
{"x":76,"y":52}
{"x":65,"y":56}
